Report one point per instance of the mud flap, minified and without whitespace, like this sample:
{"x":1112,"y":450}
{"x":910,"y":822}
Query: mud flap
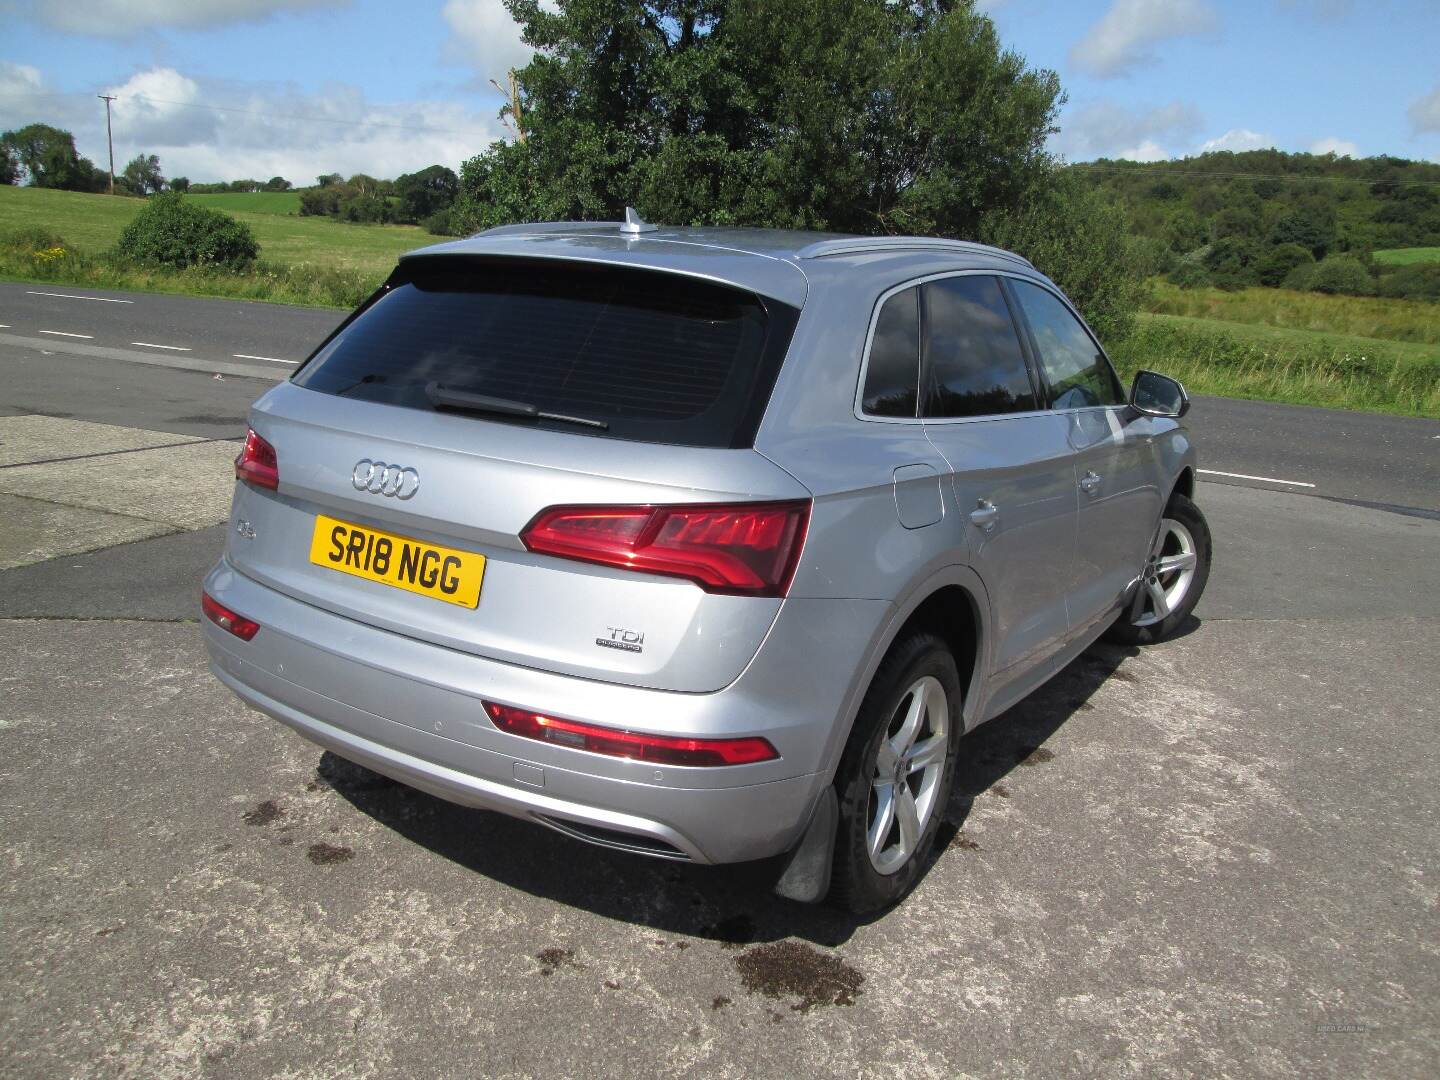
{"x":806,"y":876}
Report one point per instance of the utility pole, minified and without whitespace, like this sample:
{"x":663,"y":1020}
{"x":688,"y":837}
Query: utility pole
{"x":107,"y":98}
{"x":517,"y":120}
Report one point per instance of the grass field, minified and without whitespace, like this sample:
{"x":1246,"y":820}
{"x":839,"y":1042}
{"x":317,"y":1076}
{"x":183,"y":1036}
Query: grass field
{"x":1406,"y":256}
{"x":251,"y":202}
{"x":92,"y":223}
{"x":1303,"y":367}
{"x":1356,"y":316}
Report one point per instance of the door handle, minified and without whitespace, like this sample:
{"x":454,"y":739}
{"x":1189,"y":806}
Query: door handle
{"x":986,"y":515}
{"x":1090,"y":482}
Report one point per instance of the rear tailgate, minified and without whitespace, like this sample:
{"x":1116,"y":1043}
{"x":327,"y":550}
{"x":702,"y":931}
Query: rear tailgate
{"x":455,"y":482}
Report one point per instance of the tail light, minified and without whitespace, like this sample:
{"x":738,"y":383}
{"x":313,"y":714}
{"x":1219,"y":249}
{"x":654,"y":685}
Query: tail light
{"x":223,"y":617}
{"x":747,"y":549}
{"x":657,"y":749}
{"x":257,"y":463}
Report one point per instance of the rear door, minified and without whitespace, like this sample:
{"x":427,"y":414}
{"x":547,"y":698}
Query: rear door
{"x":596,"y":386}
{"x":1115,"y":461}
{"x":1010,"y":464}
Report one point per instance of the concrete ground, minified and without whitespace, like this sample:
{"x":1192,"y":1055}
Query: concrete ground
{"x":1213,"y":857}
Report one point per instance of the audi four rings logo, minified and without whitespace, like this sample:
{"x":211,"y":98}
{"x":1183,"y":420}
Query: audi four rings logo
{"x":378,"y":478}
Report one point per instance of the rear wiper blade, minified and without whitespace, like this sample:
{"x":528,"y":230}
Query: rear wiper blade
{"x":449,"y":397}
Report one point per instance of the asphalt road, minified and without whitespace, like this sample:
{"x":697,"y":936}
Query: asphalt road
{"x":1215,"y":857}
{"x":1394,"y":461}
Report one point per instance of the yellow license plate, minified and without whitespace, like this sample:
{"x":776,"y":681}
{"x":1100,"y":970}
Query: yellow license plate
{"x":414,"y":565}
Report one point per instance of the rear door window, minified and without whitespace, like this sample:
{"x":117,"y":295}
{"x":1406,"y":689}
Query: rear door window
{"x":892,"y":376}
{"x":974,"y":365}
{"x":1077,"y":371}
{"x":652,"y":356}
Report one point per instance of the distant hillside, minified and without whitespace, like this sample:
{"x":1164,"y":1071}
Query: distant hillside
{"x":1363,"y":205}
{"x":1296,"y":220}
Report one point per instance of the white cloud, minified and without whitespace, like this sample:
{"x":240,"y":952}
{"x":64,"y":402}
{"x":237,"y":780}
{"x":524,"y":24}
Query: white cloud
{"x":1149,"y":150}
{"x":18,"y":80}
{"x":484,"y":37}
{"x":1123,"y":37}
{"x":1105,"y":129}
{"x":1424,"y":112}
{"x":160,"y":105}
{"x":119,"y":18}
{"x":1338,"y":147}
{"x":264,"y":130}
{"x":1237,"y":140}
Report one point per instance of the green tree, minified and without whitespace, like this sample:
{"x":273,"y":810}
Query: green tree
{"x":277,"y":183}
{"x":1078,"y":237}
{"x":328,"y":179}
{"x":1311,"y":225}
{"x":10,"y":172}
{"x":1231,"y":262}
{"x":1275,"y":265}
{"x":1185,"y":231}
{"x":47,"y":156}
{"x":180,"y":183}
{"x":142,"y":175}
{"x":426,"y":193}
{"x":859,"y":115}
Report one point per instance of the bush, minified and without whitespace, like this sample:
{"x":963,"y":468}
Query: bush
{"x":1189,"y":275}
{"x":1080,"y":238}
{"x":29,"y":240}
{"x":443,"y":223}
{"x":170,"y":231}
{"x":1341,"y":274}
{"x":1275,"y":265}
{"x":1231,"y":261}
{"x":1419,"y":281}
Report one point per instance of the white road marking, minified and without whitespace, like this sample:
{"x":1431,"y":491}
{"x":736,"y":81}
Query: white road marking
{"x":1243,"y":476}
{"x":272,"y":359}
{"x":72,"y":296}
{"x":152,"y":345}
{"x":63,"y":333}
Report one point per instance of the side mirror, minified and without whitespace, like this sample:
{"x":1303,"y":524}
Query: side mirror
{"x":1158,"y":395}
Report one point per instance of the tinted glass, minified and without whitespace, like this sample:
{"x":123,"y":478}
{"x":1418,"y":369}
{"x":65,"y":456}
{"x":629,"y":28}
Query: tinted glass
{"x":972,"y":351}
{"x":657,"y":357}
{"x":1078,"y":373}
{"x":893,"y":375}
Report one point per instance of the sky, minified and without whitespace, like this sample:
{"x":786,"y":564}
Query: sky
{"x":223,"y":89}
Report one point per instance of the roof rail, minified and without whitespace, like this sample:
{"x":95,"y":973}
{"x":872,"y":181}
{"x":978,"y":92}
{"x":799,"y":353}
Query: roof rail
{"x":633,"y":225}
{"x":856,"y":245}
{"x":534,"y":228}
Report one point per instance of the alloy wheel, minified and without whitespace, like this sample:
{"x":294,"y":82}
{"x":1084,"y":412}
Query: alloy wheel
{"x":908,"y":769}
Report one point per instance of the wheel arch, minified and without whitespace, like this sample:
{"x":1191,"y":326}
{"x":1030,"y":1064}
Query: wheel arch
{"x":951,"y":603}
{"x":1184,"y":484}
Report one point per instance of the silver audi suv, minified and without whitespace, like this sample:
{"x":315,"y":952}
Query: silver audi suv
{"x":706,"y":544}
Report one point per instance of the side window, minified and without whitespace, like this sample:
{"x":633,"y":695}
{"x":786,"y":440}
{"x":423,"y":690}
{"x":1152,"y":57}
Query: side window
{"x":1078,"y":373}
{"x":975,"y":364}
{"x":893,"y":374}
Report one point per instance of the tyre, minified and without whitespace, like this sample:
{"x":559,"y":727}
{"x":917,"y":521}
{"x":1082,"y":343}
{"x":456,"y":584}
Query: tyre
{"x":895,"y":775}
{"x":1173,"y":579}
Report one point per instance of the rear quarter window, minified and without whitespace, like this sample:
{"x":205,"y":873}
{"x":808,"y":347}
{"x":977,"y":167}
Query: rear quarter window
{"x":656,"y":357}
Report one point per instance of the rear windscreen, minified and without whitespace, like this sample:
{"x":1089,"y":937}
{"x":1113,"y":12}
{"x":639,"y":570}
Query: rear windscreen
{"x":653,"y":356}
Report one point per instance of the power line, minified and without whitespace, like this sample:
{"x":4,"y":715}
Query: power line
{"x":279,"y":116}
{"x":256,"y":113}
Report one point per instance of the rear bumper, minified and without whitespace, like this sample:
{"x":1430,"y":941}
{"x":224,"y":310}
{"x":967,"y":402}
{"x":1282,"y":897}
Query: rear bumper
{"x":411,"y":710}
